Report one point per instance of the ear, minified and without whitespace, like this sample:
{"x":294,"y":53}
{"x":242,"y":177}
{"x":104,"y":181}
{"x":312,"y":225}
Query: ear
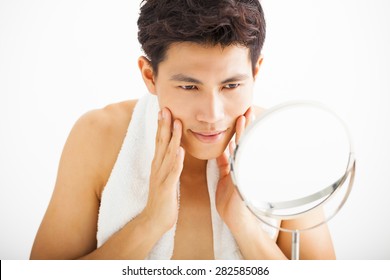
{"x":257,"y":67}
{"x":147,"y":73}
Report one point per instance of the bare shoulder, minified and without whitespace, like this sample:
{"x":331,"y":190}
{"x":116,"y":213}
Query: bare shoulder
{"x":86,"y":162}
{"x":106,"y":122}
{"x":97,"y":137}
{"x":107,"y":117}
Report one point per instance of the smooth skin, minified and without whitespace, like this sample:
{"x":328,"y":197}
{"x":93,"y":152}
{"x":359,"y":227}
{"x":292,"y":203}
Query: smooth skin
{"x":211,"y":91}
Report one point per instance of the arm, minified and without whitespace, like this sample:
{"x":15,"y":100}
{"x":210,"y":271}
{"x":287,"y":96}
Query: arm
{"x":253,"y":242}
{"x":68,"y":229}
{"x":314,"y":243}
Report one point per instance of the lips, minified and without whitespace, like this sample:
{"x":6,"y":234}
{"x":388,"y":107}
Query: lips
{"x":209,"y":136}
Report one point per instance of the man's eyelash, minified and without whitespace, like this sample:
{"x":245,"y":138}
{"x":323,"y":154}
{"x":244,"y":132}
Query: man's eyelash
{"x":227,"y":86}
{"x":189,"y":87}
{"x":232,"y":86}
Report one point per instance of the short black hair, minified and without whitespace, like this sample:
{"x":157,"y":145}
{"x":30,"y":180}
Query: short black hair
{"x":208,"y":22}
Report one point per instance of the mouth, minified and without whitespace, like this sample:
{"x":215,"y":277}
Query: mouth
{"x":209,"y":137}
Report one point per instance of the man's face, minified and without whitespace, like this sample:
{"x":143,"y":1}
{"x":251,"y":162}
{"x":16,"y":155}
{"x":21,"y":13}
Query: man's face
{"x":207,"y":88}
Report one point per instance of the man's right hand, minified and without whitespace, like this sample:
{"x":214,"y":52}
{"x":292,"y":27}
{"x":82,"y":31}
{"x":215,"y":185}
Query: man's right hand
{"x":167,"y":165}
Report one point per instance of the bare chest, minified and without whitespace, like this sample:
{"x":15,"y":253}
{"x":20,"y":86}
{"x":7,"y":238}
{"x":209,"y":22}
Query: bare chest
{"x":194,"y":234}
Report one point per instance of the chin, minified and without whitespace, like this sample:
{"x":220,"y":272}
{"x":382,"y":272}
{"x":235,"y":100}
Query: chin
{"x":206,"y":153}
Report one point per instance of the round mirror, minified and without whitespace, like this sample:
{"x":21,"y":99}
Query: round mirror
{"x":296,"y":159}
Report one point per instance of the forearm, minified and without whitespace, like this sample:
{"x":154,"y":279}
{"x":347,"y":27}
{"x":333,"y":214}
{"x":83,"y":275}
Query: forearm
{"x":134,"y":241}
{"x":254,"y":242}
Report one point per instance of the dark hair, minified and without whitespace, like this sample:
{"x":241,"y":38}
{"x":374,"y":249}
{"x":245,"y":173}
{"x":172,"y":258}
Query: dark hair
{"x":210,"y":22}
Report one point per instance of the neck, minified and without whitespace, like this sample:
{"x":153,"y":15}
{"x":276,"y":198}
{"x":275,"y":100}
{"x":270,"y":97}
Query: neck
{"x":194,"y":166}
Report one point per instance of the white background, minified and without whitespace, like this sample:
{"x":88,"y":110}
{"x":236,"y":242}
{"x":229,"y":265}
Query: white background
{"x":60,"y":59}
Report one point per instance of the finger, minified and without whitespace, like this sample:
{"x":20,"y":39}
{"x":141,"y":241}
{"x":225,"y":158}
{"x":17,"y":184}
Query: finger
{"x":223,"y":165}
{"x":240,"y":126}
{"x":176,"y":135}
{"x":163,"y":137}
{"x":158,"y":127}
{"x":232,"y":147}
{"x":249,"y":116}
{"x":173,"y":176}
{"x":172,"y":150}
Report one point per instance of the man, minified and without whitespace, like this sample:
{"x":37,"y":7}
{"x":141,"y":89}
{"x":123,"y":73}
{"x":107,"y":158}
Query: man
{"x":202,"y":59}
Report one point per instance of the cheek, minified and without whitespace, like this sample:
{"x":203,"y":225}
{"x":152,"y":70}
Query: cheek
{"x":178,"y":105}
{"x":238,"y":105}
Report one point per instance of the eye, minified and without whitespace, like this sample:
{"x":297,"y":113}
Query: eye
{"x":192,"y":87}
{"x":231,"y":86}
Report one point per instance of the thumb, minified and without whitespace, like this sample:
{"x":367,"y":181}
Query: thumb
{"x":223,"y":163}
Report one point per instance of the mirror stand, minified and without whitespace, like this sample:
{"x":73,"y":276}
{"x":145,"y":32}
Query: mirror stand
{"x":295,"y":245}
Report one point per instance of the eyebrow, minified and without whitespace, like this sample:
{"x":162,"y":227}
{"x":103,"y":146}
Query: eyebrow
{"x":188,"y":79}
{"x":184,"y":78}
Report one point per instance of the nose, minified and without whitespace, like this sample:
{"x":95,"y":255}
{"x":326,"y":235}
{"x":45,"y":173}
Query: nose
{"x":211,"y":109}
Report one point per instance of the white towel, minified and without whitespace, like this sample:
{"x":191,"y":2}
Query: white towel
{"x":126,"y":192}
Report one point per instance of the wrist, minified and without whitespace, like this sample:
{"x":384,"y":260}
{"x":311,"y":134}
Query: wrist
{"x":253,"y":241}
{"x":243,"y":221}
{"x":153,"y":224}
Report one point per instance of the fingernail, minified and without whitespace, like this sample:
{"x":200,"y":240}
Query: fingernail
{"x":231,"y":148}
{"x":164,"y":114}
{"x":159,"y":116}
{"x":175,"y":125}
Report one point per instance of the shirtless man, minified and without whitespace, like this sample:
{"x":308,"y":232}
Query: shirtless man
{"x":202,"y":59}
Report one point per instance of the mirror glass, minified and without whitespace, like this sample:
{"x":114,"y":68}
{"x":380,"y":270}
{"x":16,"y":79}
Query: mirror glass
{"x":295,"y":159}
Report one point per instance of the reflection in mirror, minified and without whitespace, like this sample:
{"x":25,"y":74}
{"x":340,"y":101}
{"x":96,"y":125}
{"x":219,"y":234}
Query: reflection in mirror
{"x":295,"y":159}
